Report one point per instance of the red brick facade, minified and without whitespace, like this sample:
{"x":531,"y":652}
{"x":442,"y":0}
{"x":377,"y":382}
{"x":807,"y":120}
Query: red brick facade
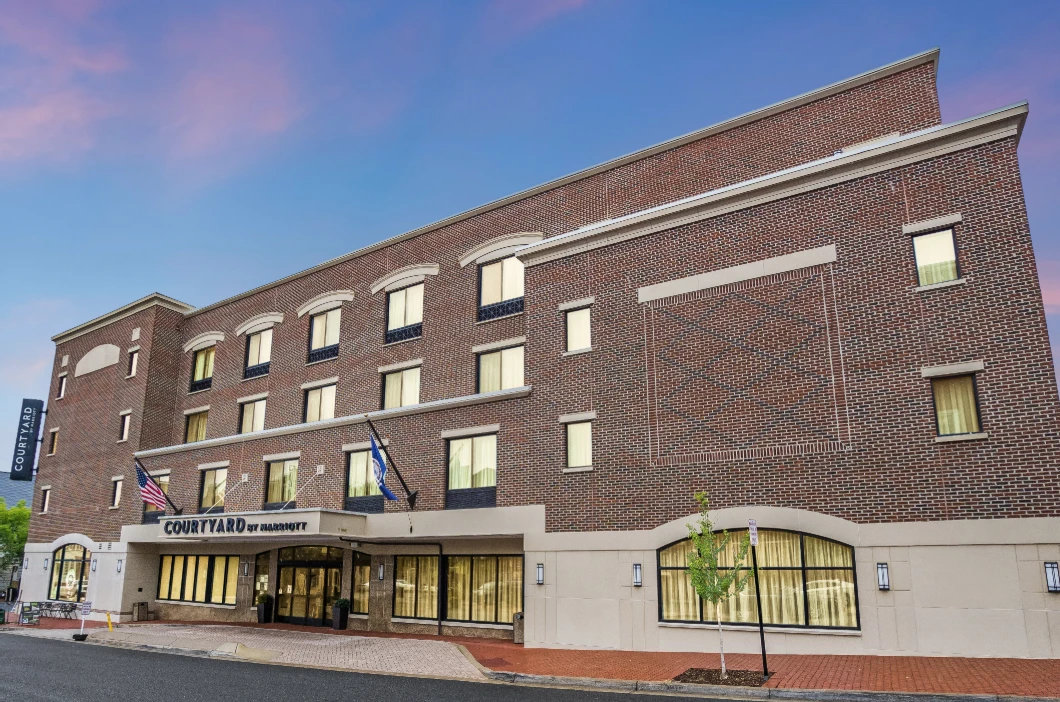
{"x":824,"y":361}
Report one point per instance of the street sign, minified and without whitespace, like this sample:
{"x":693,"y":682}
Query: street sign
{"x":752,"y":528}
{"x":86,"y":609}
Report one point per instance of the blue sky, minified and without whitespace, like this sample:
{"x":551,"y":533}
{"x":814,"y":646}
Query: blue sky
{"x":202,"y":148}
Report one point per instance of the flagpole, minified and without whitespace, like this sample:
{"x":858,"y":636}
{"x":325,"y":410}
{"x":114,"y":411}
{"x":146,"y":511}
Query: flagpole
{"x":411,"y":495}
{"x":176,"y":510}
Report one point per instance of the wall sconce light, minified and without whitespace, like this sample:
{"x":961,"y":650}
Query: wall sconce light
{"x":94,"y":565}
{"x":45,"y":564}
{"x":637,"y":577}
{"x":119,"y":565}
{"x":1052,"y":577}
{"x":25,"y":564}
{"x":883,"y":576}
{"x":380,"y":571}
{"x":540,"y":573}
{"x":246,"y":569}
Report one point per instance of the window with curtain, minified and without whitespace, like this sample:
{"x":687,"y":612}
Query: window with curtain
{"x":259,"y":354}
{"x":362,"y":580}
{"x":212,"y":490}
{"x":201,"y":579}
{"x":195,"y":427}
{"x":123,"y":427}
{"x":324,"y":335}
{"x":45,"y":499}
{"x":62,"y":388}
{"x":500,"y":370}
{"x":53,"y":442}
{"x":579,"y":444}
{"x":281,"y":484}
{"x":404,"y":314}
{"x":416,"y":587}
{"x":320,"y":403}
{"x":162,"y":481}
{"x":71,"y":566}
{"x":134,"y":361}
{"x":360,"y":481}
{"x":115,"y":493}
{"x":483,"y":588}
{"x":401,"y":388}
{"x":936,"y":257}
{"x":956,"y":410}
{"x":579,"y":329}
{"x":473,"y":462}
{"x":202,"y":369}
{"x":500,"y":288}
{"x":252,"y":416}
{"x":805,"y":581}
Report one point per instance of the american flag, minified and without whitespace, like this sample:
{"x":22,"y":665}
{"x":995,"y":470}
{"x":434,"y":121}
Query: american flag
{"x":149,"y":490}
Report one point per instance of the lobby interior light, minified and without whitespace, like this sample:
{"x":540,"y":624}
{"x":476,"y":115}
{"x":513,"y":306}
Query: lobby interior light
{"x":883,"y":576}
{"x":540,"y":573}
{"x":1052,"y":576}
{"x":638,"y":579}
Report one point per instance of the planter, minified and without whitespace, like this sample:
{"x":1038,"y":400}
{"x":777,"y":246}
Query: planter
{"x":340,"y":616}
{"x":265,"y":613}
{"x":80,"y":637}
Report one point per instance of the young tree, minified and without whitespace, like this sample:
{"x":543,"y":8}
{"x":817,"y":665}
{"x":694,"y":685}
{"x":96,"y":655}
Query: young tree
{"x":14,"y":528}
{"x":712,"y":582}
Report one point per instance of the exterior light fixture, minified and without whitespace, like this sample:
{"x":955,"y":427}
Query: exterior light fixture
{"x":1052,"y":577}
{"x":94,"y":565}
{"x":119,"y":565}
{"x":883,"y":576}
{"x":45,"y":564}
{"x":637,"y":577}
{"x":540,"y":573}
{"x":380,"y":571}
{"x":25,"y":564}
{"x":246,"y":569}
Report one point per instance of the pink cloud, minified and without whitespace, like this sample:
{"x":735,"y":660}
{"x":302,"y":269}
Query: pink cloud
{"x":1049,"y":278}
{"x":504,"y":19}
{"x":57,"y":125}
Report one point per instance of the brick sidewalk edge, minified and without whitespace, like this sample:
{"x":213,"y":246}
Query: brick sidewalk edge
{"x":740,"y":693}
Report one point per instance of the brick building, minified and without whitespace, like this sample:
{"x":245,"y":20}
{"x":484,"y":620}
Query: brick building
{"x":825,"y":313}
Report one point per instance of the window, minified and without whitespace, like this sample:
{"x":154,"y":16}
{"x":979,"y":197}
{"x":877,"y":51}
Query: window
{"x":203,"y":579}
{"x":152,"y":513}
{"x":212,"y":490}
{"x":401,"y":388}
{"x":320,"y":403}
{"x":579,"y":329}
{"x":202,"y":370}
{"x":416,"y":587}
{"x":362,"y":580}
{"x":261,"y":575}
{"x":472,"y":472}
{"x":115,"y":494}
{"x":62,"y":388}
{"x":123,"y":427}
{"x":281,"y":486}
{"x":134,"y":360}
{"x":500,"y":289}
{"x":404,"y":314}
{"x":252,"y":416}
{"x":324,"y":335}
{"x":53,"y":442}
{"x":362,"y":491}
{"x":806,"y":581}
{"x":259,"y":354}
{"x":579,"y":445}
{"x":195,"y":427}
{"x":500,"y":370}
{"x":45,"y":498}
{"x":483,"y":588}
{"x":956,"y":405}
{"x":936,"y":257}
{"x":71,"y":565}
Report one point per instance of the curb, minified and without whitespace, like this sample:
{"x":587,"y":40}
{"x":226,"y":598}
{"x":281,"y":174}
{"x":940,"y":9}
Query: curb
{"x":745,"y":693}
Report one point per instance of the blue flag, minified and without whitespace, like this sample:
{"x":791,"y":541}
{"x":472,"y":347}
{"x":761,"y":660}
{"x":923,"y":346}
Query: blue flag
{"x":379,"y":470}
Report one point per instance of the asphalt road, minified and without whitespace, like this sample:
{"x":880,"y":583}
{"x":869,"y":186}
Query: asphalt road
{"x":38,"y":670}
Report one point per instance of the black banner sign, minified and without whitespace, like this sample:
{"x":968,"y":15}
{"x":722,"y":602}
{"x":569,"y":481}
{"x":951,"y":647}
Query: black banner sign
{"x":26,"y":440}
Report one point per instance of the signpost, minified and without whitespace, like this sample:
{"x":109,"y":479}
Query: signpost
{"x":29,"y":420}
{"x":752,"y":530}
{"x":86,"y":609}
{"x":29,"y":614}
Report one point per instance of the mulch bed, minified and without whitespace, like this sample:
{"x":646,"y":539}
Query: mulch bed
{"x":712,"y":676}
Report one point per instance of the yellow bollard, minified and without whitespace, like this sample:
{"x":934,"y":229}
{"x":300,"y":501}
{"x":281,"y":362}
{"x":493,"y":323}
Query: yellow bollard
{"x":109,"y":625}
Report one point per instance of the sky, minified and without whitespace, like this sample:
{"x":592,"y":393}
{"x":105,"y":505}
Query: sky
{"x":200,"y":149}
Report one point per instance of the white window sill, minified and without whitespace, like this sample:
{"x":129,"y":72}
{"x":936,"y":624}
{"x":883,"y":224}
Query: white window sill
{"x":754,"y":627}
{"x":49,"y":454}
{"x":122,"y":441}
{"x":478,"y":625}
{"x":114,"y":507}
{"x":578,"y":469}
{"x":960,"y":437}
{"x":44,"y":512}
{"x":577,"y":352}
{"x":315,"y":363}
{"x":130,"y":376}
{"x":358,"y":616}
{"x":403,"y":341}
{"x":937,"y":286}
{"x":497,"y":319}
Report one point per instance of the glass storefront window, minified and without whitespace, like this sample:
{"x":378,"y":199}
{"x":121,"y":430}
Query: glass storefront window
{"x":203,"y":579}
{"x":70,"y":571}
{"x":362,"y":580}
{"x":416,"y":587}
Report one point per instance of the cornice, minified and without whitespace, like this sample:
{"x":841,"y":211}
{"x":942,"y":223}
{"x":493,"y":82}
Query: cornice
{"x":121,"y":313}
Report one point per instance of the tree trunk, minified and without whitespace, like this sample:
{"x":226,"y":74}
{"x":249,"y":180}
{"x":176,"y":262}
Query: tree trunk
{"x":721,"y":641}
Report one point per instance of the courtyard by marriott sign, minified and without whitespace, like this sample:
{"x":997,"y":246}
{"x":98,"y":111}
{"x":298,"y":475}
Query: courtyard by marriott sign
{"x":250,"y":525}
{"x":26,"y":439}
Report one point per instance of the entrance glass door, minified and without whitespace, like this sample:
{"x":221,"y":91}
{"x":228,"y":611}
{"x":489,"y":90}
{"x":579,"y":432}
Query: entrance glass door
{"x":310,"y":580}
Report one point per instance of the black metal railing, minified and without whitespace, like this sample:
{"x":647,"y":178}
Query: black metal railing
{"x":500,"y":309}
{"x":197,"y":385}
{"x":151,"y":517}
{"x":255,"y":371}
{"x":471,"y":498}
{"x":412,"y":331}
{"x":280,"y":505}
{"x":323,"y":353}
{"x":219,"y":509}
{"x":369,"y":504}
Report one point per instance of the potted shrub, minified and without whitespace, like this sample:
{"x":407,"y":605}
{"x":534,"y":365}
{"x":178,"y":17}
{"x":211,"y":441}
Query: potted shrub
{"x":340,"y":613}
{"x":264,"y":602}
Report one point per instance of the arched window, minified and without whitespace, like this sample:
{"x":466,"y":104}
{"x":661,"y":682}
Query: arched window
{"x":805,"y":581}
{"x":70,"y":569}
